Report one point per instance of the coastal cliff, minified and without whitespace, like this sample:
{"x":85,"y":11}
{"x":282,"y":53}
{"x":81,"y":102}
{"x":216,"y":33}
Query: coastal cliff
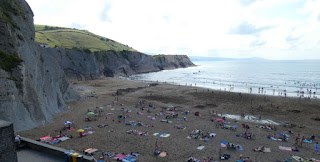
{"x":33,"y":79}
{"x":86,"y":65}
{"x":33,"y":87}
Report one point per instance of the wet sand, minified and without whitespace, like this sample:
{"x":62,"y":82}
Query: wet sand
{"x":185,"y":98}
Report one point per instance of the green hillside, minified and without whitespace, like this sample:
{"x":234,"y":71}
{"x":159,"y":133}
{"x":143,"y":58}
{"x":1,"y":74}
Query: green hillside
{"x":72,"y":38}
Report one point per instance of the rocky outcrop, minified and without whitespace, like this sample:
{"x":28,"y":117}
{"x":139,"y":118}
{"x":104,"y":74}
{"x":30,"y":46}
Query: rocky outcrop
{"x":83,"y":65}
{"x":33,"y":87}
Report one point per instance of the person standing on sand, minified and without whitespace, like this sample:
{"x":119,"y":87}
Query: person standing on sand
{"x":316,"y":147}
{"x":220,"y":153}
{"x":301,"y":141}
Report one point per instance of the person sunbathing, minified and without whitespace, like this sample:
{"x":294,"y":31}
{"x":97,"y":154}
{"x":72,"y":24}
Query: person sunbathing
{"x":269,"y":136}
{"x":259,"y":149}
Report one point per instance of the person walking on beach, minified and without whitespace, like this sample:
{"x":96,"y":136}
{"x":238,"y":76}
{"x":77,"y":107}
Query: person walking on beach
{"x":316,"y":147}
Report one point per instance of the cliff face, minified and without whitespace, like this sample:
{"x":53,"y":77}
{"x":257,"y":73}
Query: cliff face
{"x":33,"y":87}
{"x":82,"y":65}
{"x":33,"y":84}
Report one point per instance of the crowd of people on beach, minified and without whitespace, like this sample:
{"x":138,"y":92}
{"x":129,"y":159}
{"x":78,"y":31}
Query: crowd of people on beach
{"x":169,"y":114}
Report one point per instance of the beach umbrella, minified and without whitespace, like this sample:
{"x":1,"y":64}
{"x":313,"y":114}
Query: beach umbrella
{"x":80,"y":130}
{"x":67,"y":122}
{"x":170,"y":106}
{"x":90,"y":113}
{"x":220,"y":120}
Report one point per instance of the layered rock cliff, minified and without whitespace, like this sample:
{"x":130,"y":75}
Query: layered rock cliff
{"x":33,"y":87}
{"x":33,"y":80}
{"x":84,"y":65}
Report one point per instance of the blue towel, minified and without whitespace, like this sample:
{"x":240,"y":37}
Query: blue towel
{"x":307,"y":141}
{"x":239,"y":148}
{"x":129,"y":159}
{"x":55,"y":142}
{"x":224,"y":142}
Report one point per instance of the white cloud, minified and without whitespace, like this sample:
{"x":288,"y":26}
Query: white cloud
{"x":244,"y":28}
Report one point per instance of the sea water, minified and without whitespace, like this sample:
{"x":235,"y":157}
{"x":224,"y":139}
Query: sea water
{"x":278,"y":78}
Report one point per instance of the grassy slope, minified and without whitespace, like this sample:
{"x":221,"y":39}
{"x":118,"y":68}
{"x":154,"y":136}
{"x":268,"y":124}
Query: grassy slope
{"x":69,"y":38}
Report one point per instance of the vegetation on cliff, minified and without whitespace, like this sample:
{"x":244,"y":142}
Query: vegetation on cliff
{"x":68,"y":38}
{"x":9,"y":61}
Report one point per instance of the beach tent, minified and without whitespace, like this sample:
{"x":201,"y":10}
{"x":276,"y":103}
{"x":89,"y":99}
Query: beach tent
{"x":67,"y":122}
{"x":196,"y":113}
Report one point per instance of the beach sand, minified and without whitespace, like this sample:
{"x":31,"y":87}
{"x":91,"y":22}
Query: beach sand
{"x":184,"y":98}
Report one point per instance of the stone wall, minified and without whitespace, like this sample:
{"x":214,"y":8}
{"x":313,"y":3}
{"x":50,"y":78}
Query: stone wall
{"x":7,"y":148}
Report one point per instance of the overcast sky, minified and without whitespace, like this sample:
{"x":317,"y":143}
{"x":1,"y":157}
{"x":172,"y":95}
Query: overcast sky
{"x":272,"y":29}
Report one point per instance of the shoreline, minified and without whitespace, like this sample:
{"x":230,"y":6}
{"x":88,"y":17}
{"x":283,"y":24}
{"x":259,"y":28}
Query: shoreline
{"x":218,"y":90}
{"x":193,"y":99}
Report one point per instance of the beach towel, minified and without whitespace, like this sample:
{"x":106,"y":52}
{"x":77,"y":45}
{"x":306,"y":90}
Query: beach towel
{"x":133,"y":154}
{"x":109,"y":155}
{"x":234,"y":127}
{"x":307,"y":141}
{"x":88,"y":149}
{"x":161,"y":134}
{"x":239,"y":147}
{"x":167,"y":121}
{"x":53,"y":142}
{"x":163,"y":154}
{"x":46,"y":138}
{"x":223,"y":143}
{"x":200,"y":147}
{"x":88,"y":128}
{"x":171,"y":112}
{"x":298,"y":158}
{"x":129,"y":159}
{"x":92,"y":151}
{"x":285,"y":148}
{"x":119,"y":157}
{"x":71,"y":129}
{"x":267,"y":150}
{"x":129,"y":123}
{"x":63,"y":138}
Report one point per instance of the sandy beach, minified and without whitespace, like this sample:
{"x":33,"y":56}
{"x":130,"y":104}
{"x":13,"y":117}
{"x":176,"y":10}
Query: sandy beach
{"x":302,"y":114}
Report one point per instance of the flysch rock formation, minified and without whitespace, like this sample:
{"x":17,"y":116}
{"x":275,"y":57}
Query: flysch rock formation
{"x":82,"y":65}
{"x":33,"y":87}
{"x":33,"y":80}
